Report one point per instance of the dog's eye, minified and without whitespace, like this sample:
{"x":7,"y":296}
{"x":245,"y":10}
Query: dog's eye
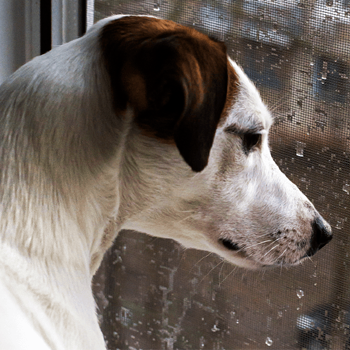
{"x":250,"y":141}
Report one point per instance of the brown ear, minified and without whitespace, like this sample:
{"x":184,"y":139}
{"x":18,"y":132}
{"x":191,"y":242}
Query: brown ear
{"x":176,"y":80}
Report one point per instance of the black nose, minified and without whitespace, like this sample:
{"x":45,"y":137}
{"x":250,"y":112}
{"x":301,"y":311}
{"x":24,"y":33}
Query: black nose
{"x":321,"y":235}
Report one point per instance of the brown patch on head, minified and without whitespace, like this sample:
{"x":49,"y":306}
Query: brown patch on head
{"x":232,"y":89}
{"x":176,"y":79}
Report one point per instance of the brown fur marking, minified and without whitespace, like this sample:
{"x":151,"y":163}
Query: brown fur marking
{"x":178,"y":81}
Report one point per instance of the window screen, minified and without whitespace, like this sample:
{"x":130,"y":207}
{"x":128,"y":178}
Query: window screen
{"x":153,"y":294}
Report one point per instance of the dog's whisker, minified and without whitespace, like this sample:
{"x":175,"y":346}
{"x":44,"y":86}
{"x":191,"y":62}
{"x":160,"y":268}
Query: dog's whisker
{"x":221,"y":271}
{"x":182,"y":257}
{"x":274,"y":247}
{"x":232,"y":271}
{"x":272,"y":242}
{"x":281,"y":267}
{"x":221,"y":262}
{"x":309,"y":257}
{"x":281,"y":263}
{"x":201,"y":259}
{"x":282,"y":254}
{"x":254,"y":245}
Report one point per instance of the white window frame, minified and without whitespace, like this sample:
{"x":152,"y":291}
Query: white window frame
{"x":20,"y":29}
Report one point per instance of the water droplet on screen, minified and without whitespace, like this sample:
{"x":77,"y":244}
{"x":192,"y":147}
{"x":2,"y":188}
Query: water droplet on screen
{"x":215,"y":328}
{"x":268,"y":341}
{"x":329,"y":3}
{"x":300,"y":149}
{"x":340,"y":223}
{"x":156,"y":7}
{"x":346,"y":188}
{"x":201,"y":342}
{"x":300,"y":293}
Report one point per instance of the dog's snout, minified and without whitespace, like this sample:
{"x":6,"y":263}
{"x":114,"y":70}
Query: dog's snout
{"x":322,"y":234}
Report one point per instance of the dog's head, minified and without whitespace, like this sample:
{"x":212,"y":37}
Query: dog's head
{"x":196,"y":165}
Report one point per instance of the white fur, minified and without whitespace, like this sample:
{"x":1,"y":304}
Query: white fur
{"x":70,"y":181}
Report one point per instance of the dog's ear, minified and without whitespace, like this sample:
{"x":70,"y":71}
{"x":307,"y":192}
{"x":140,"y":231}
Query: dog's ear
{"x":176,"y":80}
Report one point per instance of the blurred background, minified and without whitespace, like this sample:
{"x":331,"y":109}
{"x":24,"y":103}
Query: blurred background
{"x":153,"y":294}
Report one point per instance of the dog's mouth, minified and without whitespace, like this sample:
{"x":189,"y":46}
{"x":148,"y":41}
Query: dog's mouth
{"x":227,"y":243}
{"x":241,"y":253}
{"x":239,"y":256}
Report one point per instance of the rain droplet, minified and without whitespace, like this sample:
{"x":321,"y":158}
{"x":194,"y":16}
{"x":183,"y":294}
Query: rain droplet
{"x":340,"y":223}
{"x":329,"y":3}
{"x":300,"y":149}
{"x":268,"y":341}
{"x":156,"y":7}
{"x":346,"y":188}
{"x":215,"y":327}
{"x":300,"y":293}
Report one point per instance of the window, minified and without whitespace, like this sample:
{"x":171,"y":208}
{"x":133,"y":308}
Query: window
{"x":154,"y":295}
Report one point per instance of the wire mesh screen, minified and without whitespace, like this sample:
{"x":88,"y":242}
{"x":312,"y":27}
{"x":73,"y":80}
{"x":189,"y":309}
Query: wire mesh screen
{"x":153,"y":294}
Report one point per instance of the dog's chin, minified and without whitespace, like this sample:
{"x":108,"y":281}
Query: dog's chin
{"x":237,"y":257}
{"x":231,"y":252}
{"x":240,"y":259}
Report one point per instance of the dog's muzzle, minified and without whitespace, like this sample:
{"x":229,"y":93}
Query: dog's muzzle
{"x":322,"y":234}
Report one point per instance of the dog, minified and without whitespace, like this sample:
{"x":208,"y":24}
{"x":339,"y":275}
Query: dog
{"x":141,"y":124}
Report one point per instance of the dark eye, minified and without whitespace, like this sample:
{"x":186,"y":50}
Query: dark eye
{"x":250,"y":141}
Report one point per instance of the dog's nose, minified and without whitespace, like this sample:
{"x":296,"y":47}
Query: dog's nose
{"x":322,"y":234}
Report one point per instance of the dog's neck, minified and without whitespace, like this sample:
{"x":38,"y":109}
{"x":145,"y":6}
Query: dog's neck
{"x":59,"y":180}
{"x":59,"y":187}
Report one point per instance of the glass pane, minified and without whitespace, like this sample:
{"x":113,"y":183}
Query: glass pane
{"x":153,"y":294}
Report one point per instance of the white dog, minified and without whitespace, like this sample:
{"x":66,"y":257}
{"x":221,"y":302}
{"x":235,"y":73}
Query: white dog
{"x":141,"y":124}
